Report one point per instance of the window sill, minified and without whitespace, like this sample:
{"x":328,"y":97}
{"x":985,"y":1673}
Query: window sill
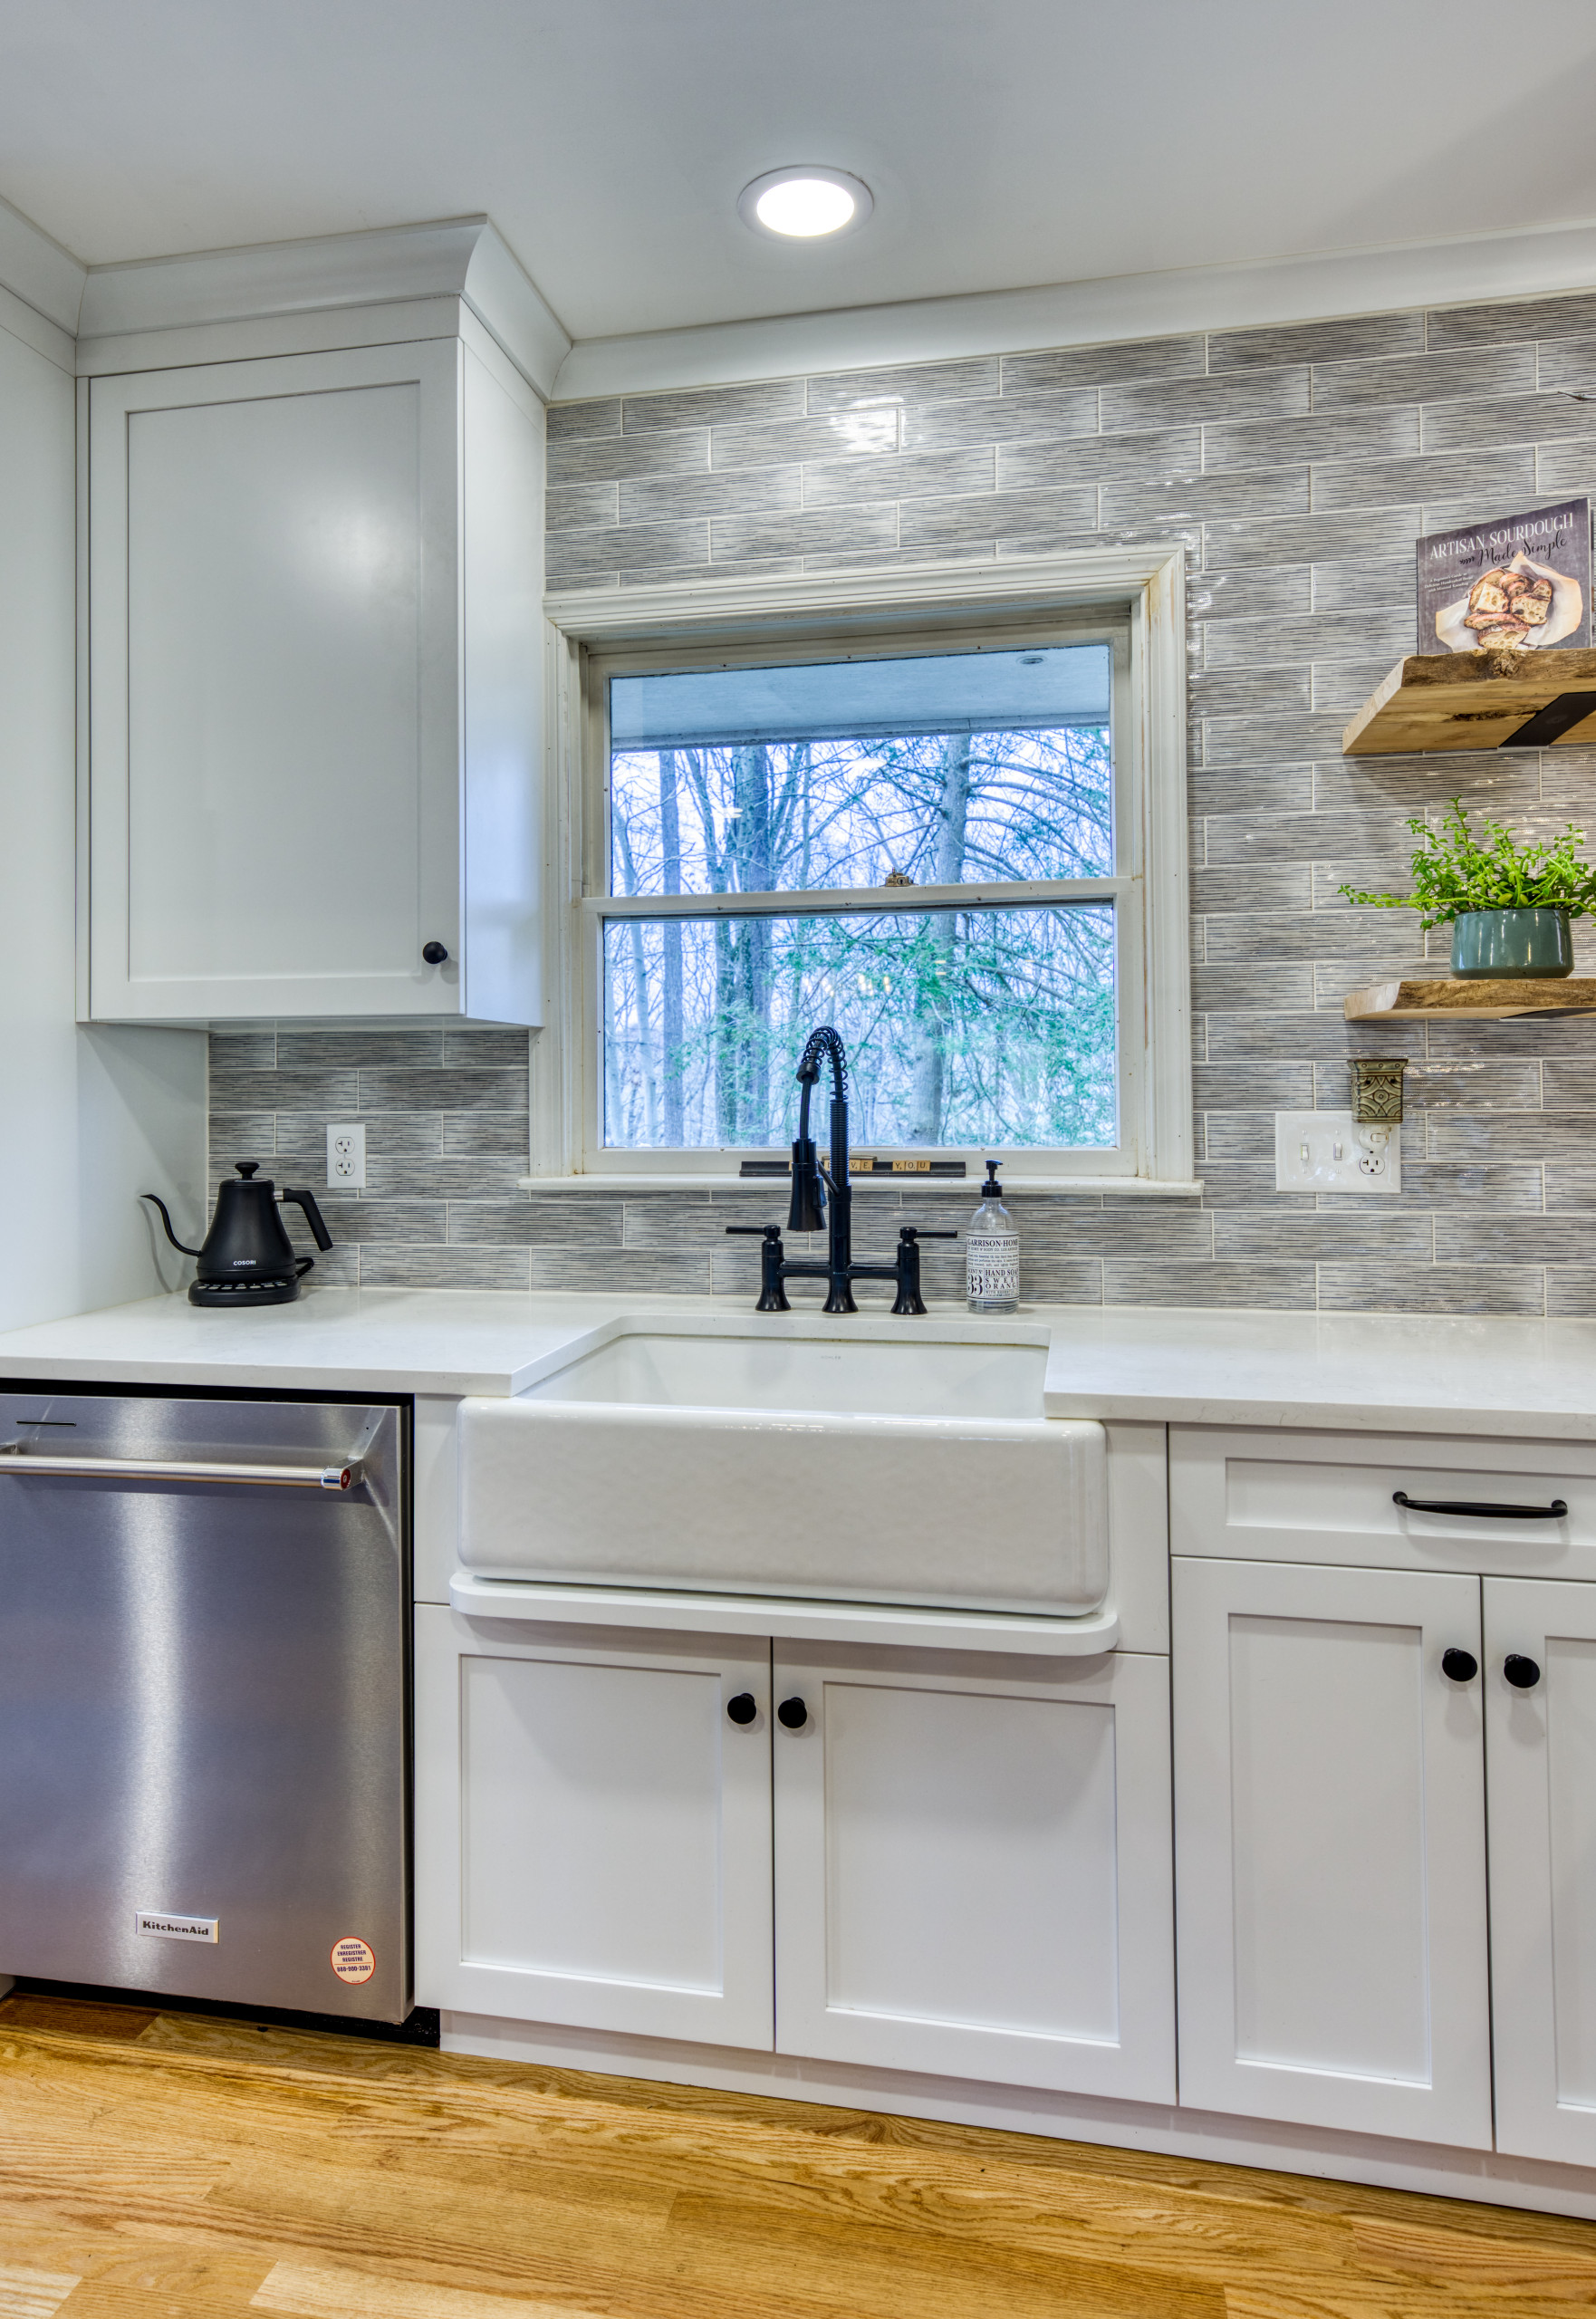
{"x":963,"y":1187}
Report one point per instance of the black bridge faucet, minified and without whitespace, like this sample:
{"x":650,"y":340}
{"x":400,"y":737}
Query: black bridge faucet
{"x":814,"y":1189}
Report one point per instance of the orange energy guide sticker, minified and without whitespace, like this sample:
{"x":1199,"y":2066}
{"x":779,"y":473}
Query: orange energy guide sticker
{"x":354,"y":1960}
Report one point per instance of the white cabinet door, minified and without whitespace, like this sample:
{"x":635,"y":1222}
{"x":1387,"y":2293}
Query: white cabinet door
{"x":303,"y":571}
{"x":592,"y":1830}
{"x":1330,"y":1850}
{"x":972,"y":1870}
{"x":1541,"y":1758}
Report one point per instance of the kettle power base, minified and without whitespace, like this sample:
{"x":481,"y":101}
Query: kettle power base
{"x":236,"y":1293}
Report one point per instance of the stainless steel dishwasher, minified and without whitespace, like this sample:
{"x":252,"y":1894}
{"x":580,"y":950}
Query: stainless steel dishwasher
{"x":203,"y":1699}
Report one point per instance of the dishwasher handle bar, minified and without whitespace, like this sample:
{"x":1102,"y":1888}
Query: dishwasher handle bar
{"x":342,"y":1476}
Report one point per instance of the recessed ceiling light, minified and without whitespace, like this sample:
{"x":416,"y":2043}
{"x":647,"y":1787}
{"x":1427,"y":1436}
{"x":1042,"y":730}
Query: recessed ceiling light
{"x":804,"y":203}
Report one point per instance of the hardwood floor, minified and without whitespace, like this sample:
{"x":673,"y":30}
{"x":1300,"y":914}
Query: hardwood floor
{"x":163,"y":2166}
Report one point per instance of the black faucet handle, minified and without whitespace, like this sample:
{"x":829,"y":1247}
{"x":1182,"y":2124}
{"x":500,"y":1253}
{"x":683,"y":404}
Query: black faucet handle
{"x":908,"y":1234}
{"x":772,"y":1296}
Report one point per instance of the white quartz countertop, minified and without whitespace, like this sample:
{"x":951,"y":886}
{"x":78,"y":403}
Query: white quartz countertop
{"x":1384,"y":1373}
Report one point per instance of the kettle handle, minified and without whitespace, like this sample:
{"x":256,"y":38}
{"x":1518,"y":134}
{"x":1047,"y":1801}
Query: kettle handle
{"x":167,"y":1220}
{"x":307,"y":1201}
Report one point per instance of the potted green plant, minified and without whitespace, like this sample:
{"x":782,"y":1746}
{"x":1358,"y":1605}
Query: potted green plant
{"x":1508,"y":905}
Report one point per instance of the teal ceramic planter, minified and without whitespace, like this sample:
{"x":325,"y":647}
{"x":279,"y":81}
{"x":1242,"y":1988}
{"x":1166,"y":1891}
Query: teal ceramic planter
{"x":1524,"y":942}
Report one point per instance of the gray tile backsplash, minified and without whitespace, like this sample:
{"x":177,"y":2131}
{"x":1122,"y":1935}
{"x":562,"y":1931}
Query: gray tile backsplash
{"x":1298,"y":464}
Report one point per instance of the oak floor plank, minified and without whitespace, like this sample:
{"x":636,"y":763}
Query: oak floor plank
{"x":28,"y":2293}
{"x":1475,"y":2259}
{"x":1309,"y":2300}
{"x":890,"y":2271}
{"x":78,"y":2016}
{"x":582,"y":2111}
{"x":163,"y":2286}
{"x":631,"y":2170}
{"x":177,"y":2166}
{"x":309,"y":2293}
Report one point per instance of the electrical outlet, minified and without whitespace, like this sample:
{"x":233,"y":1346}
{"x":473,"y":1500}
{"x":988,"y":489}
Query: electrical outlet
{"x":346,"y":1157}
{"x":1327,"y":1152}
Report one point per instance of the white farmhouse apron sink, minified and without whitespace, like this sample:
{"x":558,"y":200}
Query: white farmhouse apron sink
{"x":904,"y":1470}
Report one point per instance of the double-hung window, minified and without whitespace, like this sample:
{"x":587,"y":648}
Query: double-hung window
{"x":935,"y":840}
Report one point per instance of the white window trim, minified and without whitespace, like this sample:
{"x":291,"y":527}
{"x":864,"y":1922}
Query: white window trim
{"x":1155,"y":993}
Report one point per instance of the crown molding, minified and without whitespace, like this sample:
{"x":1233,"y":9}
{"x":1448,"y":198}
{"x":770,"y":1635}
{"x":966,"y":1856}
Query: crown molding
{"x":1511,"y":265}
{"x":38,"y":274}
{"x":460,"y":257}
{"x":467,"y":259}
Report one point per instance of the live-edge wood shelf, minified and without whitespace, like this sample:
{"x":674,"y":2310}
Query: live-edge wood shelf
{"x":1470,"y":1002}
{"x":1478,"y":700}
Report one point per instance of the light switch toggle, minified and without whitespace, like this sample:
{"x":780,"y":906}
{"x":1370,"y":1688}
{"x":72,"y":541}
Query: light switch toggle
{"x":1329,"y":1152}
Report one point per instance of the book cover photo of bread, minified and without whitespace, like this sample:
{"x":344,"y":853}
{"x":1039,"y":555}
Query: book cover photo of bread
{"x":1523,"y":580}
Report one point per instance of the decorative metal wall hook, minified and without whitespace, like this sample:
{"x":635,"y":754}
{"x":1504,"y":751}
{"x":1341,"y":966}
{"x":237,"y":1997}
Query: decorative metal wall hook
{"x":1377,"y":1088}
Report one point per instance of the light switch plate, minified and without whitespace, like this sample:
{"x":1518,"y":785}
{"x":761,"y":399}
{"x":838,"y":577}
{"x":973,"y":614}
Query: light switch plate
{"x":1327,"y":1151}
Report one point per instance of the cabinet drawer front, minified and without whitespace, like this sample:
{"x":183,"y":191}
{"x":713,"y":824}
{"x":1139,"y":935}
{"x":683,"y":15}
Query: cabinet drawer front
{"x":973,"y":1871}
{"x":1330,"y":1849}
{"x":1330,"y":1497}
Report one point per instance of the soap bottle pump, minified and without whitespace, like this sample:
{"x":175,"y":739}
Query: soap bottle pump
{"x":992,"y":1252}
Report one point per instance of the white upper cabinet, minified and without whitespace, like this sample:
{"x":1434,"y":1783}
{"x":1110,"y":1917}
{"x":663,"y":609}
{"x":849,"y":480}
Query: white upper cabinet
{"x":314,"y":688}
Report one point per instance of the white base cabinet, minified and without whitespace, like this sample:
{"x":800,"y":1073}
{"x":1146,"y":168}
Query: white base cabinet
{"x":592,"y":1830}
{"x":970,"y":1857}
{"x":1540,"y":1757}
{"x":1330,"y":1849}
{"x":1383,"y":1899}
{"x":972,"y":1870}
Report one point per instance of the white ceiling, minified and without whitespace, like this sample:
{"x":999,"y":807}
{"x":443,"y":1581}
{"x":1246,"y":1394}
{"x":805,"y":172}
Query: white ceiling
{"x":1008,"y":142}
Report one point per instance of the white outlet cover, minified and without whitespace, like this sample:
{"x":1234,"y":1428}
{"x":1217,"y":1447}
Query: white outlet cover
{"x":1327,"y":1151}
{"x":346,"y":1156}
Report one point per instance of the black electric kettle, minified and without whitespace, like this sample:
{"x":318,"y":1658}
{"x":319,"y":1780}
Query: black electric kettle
{"x":248,"y":1258}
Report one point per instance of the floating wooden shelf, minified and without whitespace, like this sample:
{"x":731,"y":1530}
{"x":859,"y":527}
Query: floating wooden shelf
{"x":1478,"y":700}
{"x":1470,"y":1002}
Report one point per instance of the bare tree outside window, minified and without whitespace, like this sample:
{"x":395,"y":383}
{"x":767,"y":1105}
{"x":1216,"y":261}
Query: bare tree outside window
{"x":991,"y":1025}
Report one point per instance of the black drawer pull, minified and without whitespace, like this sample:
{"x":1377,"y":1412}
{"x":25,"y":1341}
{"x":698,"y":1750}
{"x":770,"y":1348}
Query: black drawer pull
{"x":1553,"y":1513}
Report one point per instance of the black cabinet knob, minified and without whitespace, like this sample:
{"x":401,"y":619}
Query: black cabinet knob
{"x":794,"y":1714}
{"x":1522,"y":1673}
{"x":433,"y":953}
{"x":743,"y":1708}
{"x":1462,"y":1666}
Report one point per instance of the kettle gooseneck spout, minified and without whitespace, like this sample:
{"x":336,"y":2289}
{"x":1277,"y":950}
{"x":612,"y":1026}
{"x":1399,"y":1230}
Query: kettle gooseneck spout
{"x":167,"y":1220}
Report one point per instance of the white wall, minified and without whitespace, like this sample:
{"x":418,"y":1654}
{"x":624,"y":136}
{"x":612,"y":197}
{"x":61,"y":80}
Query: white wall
{"x":88,"y":1118}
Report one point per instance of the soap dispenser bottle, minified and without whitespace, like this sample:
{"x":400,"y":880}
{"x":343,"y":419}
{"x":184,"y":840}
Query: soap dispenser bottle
{"x":992,"y":1252}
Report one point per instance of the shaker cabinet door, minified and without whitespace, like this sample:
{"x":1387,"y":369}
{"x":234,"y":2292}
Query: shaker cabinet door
{"x":592,"y":1830}
{"x":972,"y":1870}
{"x":1330,"y":1851}
{"x":273,"y":686}
{"x":1541,"y":1755}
